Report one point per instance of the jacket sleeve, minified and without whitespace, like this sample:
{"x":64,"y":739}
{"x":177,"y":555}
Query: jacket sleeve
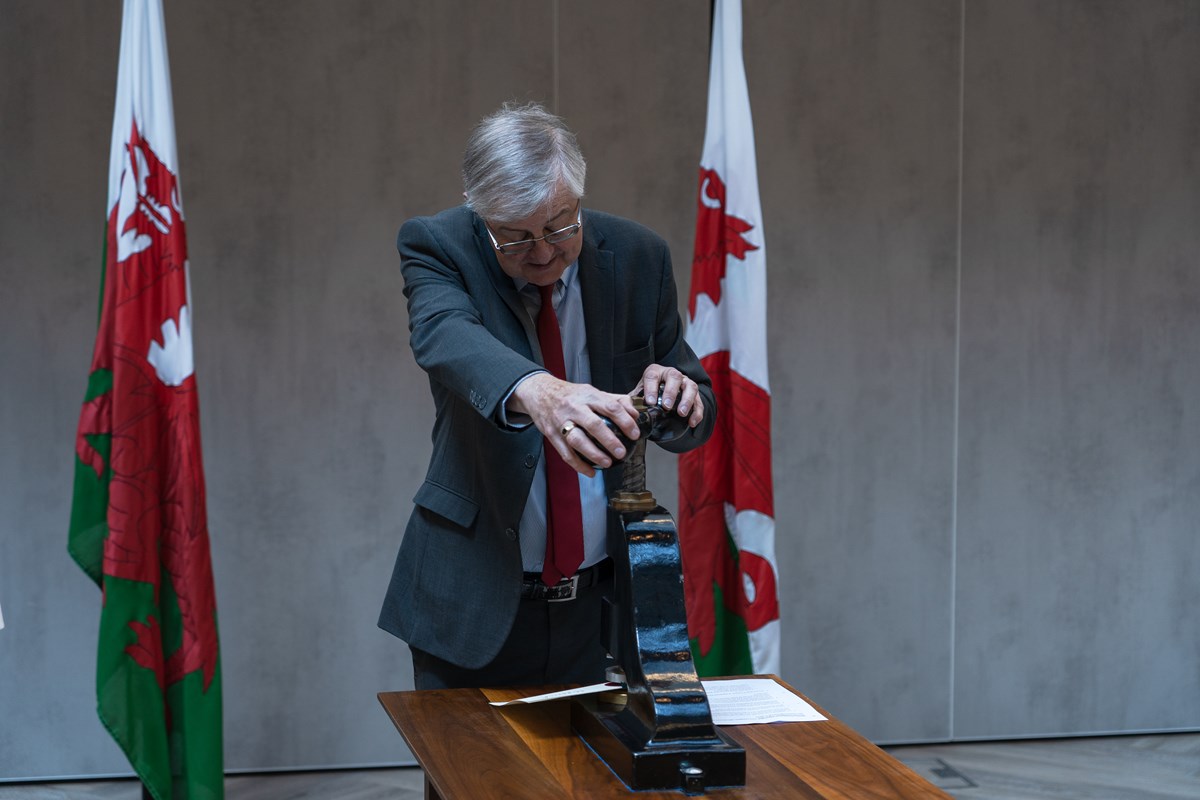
{"x":449,"y":338}
{"x":674,"y":351}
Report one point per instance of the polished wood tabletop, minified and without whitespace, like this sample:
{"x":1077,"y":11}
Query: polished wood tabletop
{"x":470,"y":749}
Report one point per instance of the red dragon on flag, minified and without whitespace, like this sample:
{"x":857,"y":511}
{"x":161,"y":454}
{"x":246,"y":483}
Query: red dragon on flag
{"x":156,"y":483}
{"x":732,"y":471}
{"x":718,"y":236}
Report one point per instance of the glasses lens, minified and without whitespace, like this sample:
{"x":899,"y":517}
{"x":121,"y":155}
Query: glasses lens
{"x":562,"y":235}
{"x":516,"y":248}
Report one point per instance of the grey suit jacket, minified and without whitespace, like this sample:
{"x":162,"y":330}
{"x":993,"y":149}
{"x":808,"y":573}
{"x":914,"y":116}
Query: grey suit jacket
{"x":456,"y":583}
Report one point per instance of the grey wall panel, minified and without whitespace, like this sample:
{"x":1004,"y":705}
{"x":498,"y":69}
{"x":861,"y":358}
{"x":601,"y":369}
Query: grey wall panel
{"x":1079,"y":494}
{"x":51,"y":232}
{"x":347,"y":121}
{"x":855,"y":108}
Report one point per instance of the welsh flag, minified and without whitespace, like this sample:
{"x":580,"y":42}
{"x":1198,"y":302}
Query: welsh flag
{"x":726,"y":518}
{"x":138,"y":524}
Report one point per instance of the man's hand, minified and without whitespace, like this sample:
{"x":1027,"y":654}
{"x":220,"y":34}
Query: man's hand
{"x":678,"y":392}
{"x":579,"y":409}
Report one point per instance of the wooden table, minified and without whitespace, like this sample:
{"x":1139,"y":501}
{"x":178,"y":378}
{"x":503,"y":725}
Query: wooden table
{"x":470,"y":749}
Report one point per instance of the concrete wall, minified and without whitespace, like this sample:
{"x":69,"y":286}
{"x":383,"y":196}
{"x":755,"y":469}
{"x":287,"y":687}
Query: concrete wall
{"x":984,"y":330}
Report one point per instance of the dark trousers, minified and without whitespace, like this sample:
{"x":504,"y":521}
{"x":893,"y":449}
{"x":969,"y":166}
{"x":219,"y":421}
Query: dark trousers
{"x":549,"y":643}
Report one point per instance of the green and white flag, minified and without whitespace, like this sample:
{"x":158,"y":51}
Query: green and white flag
{"x":726,"y":517}
{"x":138,"y":521}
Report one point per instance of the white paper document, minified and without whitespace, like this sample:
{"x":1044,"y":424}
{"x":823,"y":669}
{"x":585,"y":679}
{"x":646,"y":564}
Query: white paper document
{"x":745,"y":701}
{"x":563,"y":695}
{"x":749,"y":701}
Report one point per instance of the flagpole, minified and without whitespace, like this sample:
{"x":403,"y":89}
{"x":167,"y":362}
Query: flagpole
{"x":712,"y":15}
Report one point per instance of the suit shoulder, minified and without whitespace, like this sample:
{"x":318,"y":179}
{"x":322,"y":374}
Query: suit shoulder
{"x":617,"y":232}
{"x":453,"y":222}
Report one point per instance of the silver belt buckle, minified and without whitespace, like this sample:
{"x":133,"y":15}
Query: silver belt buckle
{"x":573,"y":586}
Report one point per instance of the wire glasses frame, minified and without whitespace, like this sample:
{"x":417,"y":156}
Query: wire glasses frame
{"x":525,"y":245}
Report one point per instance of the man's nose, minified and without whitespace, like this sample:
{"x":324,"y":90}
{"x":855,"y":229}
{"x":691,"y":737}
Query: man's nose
{"x":542,"y":251}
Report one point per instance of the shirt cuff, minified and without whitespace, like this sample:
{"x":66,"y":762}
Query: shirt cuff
{"x":515,"y":421}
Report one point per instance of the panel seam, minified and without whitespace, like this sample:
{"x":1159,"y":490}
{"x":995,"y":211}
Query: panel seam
{"x":554,"y":49}
{"x":958,"y":257}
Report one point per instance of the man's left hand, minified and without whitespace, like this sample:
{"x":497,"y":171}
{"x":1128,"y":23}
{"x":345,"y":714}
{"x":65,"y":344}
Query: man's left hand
{"x":678,"y":392}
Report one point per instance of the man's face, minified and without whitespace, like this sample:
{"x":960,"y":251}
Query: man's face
{"x":545,"y":263}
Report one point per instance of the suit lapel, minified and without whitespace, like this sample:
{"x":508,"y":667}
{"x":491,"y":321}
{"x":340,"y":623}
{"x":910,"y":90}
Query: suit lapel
{"x":503,"y":283}
{"x":506,"y":290}
{"x":596,"y":281}
{"x":597,"y":276}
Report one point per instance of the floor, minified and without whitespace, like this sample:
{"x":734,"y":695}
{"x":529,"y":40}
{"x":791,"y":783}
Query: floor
{"x":1161,"y":767}
{"x":352,"y":784}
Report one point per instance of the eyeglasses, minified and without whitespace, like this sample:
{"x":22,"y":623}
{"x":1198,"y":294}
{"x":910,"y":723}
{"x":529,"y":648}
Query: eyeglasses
{"x":525,"y":245}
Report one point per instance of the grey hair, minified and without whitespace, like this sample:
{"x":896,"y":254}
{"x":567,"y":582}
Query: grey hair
{"x":516,"y":160}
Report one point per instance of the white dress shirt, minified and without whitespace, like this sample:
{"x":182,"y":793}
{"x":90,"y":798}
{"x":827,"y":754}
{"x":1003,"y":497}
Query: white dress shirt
{"x":568,"y":307}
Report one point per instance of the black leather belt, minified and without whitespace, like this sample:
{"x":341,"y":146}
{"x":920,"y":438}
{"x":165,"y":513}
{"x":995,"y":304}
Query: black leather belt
{"x":532,"y":587}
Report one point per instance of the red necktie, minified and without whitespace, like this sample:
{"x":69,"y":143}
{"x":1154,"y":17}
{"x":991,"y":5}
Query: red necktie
{"x":564,"y":513}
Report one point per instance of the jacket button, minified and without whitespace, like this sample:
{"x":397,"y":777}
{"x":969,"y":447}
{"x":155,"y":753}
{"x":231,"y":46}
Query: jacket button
{"x":510,"y":533}
{"x":530,"y":461}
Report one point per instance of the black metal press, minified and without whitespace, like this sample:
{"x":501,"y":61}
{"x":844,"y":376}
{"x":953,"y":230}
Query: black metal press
{"x":663,"y":736}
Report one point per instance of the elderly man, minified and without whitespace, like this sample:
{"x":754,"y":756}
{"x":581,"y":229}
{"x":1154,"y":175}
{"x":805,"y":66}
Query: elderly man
{"x":536,"y":320}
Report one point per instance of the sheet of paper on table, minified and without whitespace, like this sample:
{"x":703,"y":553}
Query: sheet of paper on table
{"x":749,"y":701}
{"x":563,"y":695}
{"x":745,"y":701}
